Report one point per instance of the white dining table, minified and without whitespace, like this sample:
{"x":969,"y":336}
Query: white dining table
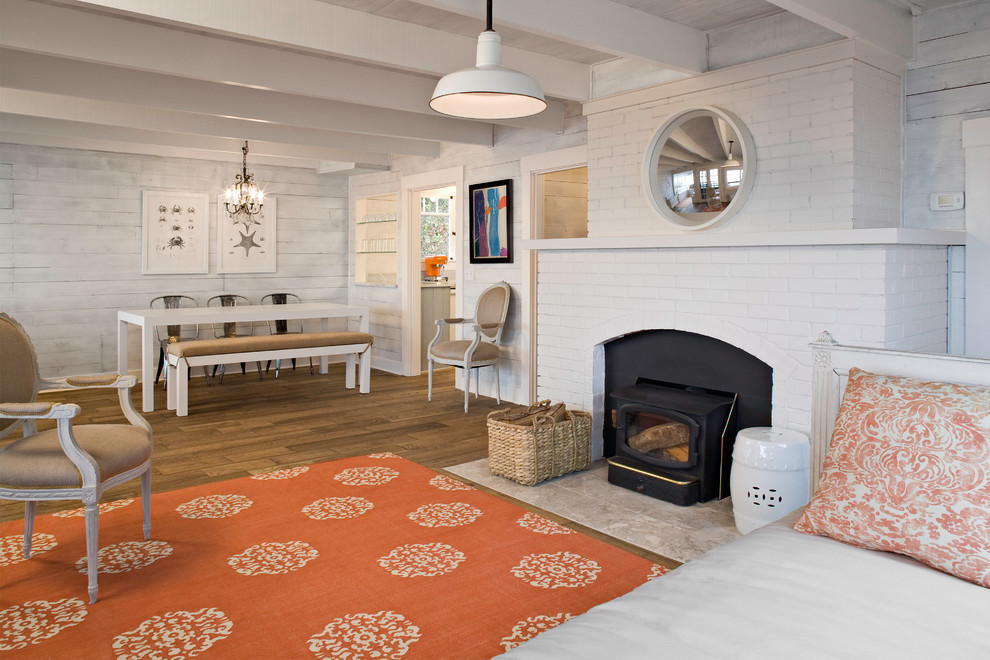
{"x":147,"y":319}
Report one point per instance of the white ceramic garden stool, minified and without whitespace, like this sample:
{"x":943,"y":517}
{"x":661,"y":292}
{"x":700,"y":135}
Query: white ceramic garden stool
{"x":770,"y":477}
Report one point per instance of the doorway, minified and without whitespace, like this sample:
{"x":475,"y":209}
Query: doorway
{"x":422,"y":204}
{"x":437,"y":220}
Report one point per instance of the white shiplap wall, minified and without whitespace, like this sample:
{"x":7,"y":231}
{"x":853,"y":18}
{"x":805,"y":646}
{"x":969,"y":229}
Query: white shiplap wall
{"x":70,"y":244}
{"x":946,"y":83}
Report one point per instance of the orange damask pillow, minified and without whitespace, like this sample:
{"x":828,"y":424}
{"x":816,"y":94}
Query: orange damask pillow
{"x":908,"y":471}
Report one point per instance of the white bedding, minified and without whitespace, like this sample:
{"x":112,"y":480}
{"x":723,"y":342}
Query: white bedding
{"x":777,"y":593}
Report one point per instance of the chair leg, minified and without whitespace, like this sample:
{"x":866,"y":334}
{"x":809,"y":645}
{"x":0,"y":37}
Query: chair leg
{"x":429,"y":379}
{"x":29,"y":508}
{"x":146,"y":502}
{"x":243,"y":369}
{"x":311,"y":372}
{"x":206,"y":372}
{"x":92,"y":544}
{"x":221,"y":373}
{"x":268,"y":367}
{"x":467,"y":388}
{"x":278,"y":365}
{"x":477,"y":382}
{"x":498,"y":389}
{"x":260,"y":373}
{"x":161,"y":362}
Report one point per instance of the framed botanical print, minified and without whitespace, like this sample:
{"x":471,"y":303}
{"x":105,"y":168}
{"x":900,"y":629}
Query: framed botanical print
{"x":246,"y":243}
{"x":175,"y":232}
{"x":491,"y":222}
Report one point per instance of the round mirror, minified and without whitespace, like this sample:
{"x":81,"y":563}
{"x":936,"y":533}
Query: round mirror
{"x":699,"y":168}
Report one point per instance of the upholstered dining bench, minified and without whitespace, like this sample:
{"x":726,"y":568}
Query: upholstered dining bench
{"x":200,"y":352}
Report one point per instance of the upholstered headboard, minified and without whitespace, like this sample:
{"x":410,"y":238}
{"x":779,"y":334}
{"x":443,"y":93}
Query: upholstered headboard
{"x":830,"y":371}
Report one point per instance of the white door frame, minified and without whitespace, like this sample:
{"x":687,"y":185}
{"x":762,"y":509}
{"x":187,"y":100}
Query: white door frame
{"x":976,"y":150}
{"x":410,"y":256}
{"x":530,"y":167}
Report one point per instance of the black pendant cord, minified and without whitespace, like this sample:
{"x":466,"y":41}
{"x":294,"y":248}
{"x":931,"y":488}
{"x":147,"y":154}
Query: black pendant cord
{"x":488,"y":23}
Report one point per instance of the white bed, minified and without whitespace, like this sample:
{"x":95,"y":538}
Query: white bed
{"x":778,"y":593}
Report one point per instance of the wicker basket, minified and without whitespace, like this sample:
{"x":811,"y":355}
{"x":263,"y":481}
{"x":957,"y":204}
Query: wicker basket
{"x":539,"y":444}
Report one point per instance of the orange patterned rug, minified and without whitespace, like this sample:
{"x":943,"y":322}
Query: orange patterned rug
{"x":366,"y":557}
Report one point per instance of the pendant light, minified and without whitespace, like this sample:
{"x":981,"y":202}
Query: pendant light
{"x":243,"y":197}
{"x":489,"y":90}
{"x":732,"y":162}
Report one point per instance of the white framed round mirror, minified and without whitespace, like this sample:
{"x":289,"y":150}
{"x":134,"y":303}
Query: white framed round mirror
{"x":699,"y":168}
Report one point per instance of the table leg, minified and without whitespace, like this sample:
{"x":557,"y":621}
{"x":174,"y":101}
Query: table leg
{"x":148,"y":367}
{"x":121,"y":347}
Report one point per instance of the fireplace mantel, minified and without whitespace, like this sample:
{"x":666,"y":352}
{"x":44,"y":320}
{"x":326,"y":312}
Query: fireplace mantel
{"x":888,"y":236}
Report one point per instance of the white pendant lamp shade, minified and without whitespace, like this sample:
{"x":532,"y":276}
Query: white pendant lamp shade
{"x":489,"y":90}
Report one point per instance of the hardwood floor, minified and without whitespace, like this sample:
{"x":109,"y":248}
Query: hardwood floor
{"x":244,"y":427}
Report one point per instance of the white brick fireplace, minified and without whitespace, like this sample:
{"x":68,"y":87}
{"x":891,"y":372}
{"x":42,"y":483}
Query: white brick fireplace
{"x":770,"y":301}
{"x":817,"y":246}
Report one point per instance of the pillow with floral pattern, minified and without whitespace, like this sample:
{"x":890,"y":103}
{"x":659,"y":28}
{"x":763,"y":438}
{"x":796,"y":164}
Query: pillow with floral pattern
{"x":908,"y":471}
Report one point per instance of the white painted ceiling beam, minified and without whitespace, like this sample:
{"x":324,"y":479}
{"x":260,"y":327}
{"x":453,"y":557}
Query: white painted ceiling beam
{"x":203,"y":57}
{"x":884,"y":24}
{"x":597,"y":24}
{"x":160,"y":150}
{"x":261,"y":151}
{"x":55,"y":106}
{"x":353,"y":35}
{"x":34,"y":72}
{"x":69,"y":33}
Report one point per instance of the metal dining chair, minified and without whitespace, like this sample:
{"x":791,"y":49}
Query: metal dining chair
{"x":284,"y":326}
{"x":231,"y":328}
{"x":171,"y":334}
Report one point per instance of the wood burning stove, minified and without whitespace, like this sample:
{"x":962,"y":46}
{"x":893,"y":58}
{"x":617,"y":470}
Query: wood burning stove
{"x":702,"y":388}
{"x":673,"y":442}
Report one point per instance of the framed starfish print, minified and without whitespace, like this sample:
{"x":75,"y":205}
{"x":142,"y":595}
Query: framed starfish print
{"x":246,"y":243}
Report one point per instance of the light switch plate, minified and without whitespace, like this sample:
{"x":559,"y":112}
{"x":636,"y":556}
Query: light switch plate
{"x":946,"y":201}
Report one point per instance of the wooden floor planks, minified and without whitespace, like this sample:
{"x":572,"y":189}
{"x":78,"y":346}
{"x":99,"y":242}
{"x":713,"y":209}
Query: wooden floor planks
{"x":246,"y":426}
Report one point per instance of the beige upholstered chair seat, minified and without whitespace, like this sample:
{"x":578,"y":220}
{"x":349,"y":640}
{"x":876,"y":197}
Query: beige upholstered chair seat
{"x":39,"y":462}
{"x":456,"y":350}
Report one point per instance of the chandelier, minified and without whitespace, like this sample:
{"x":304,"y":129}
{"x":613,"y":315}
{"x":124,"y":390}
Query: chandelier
{"x":243,"y":197}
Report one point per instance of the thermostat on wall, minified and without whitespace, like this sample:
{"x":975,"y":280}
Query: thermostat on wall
{"x":950,"y":201}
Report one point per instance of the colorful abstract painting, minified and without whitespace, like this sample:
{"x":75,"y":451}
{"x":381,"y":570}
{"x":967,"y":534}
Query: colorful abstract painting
{"x":491,"y":222}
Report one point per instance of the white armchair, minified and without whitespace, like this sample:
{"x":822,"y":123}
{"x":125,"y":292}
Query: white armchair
{"x":69,"y":462}
{"x":482,"y":350}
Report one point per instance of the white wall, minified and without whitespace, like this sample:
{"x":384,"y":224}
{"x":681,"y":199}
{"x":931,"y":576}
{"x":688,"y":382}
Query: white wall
{"x":70,"y":255}
{"x":947,"y":83}
{"x":480,"y":165}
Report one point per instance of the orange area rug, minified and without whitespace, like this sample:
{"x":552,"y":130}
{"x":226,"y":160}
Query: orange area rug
{"x":366,"y":557}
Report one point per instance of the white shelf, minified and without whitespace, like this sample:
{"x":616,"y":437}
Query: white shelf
{"x":376,"y":266}
{"x":890,"y":236}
